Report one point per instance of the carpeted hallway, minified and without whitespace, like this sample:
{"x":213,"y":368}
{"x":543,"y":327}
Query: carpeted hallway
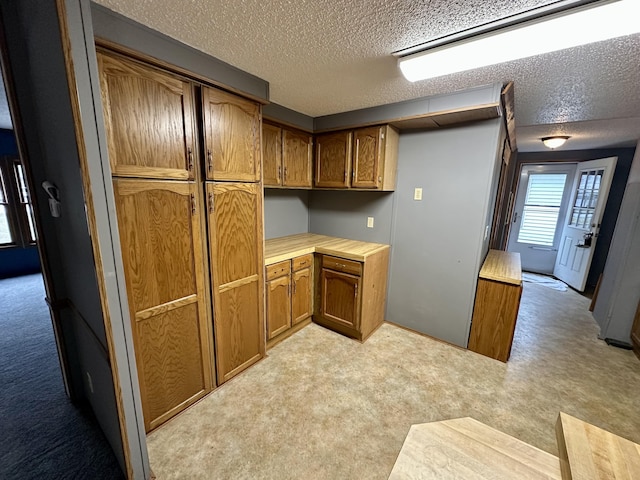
{"x":42,"y":435}
{"x":322,"y":406}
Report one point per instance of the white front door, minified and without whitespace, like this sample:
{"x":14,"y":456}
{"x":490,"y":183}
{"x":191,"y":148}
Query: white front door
{"x":541,"y":205}
{"x":582,"y":222}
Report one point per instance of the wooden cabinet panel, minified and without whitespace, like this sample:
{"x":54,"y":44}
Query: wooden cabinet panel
{"x":278,"y":269}
{"x":236,"y":249}
{"x":301,"y":295}
{"x":271,"y":155}
{"x":231,"y":136}
{"x":303,"y":261}
{"x":148,"y":118}
{"x":297,"y":159}
{"x":367,"y":157}
{"x":159,"y":225}
{"x":333,"y":159}
{"x":340,"y":298}
{"x":342,"y":265}
{"x":278,"y":306}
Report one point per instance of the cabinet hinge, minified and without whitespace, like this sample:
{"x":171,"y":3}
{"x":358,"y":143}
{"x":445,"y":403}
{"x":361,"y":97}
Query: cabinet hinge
{"x":211,"y":203}
{"x":193,"y":204}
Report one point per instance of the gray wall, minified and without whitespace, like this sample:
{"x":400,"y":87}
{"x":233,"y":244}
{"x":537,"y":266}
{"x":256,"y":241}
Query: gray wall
{"x":619,"y":293}
{"x":438,"y":243}
{"x":344,"y":214}
{"x":285,"y":212}
{"x":37,"y":63}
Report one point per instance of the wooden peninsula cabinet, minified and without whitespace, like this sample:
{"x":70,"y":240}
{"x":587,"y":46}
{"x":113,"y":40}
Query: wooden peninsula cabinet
{"x":364,"y":158}
{"x":287,"y":157}
{"x":496,"y":307}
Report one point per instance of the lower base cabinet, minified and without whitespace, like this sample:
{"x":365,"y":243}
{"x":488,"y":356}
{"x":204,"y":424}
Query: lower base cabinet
{"x":351,"y":296}
{"x":289,"y":296}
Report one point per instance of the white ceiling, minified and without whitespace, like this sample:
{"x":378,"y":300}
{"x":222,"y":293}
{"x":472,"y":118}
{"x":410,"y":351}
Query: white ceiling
{"x":322,"y":57}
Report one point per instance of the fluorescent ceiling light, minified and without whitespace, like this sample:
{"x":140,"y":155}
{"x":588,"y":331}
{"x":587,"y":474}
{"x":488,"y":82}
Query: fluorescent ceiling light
{"x":589,"y":23}
{"x":554,"y":142}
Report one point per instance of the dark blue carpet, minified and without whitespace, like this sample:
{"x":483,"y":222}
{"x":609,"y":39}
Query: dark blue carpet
{"x":42,"y":434}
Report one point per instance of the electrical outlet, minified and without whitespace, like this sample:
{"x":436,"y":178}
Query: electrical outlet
{"x":417,"y":194}
{"x":89,"y":381}
{"x":369,"y":222}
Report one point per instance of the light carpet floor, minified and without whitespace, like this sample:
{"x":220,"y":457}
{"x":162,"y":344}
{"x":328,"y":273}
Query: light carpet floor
{"x":322,"y":406}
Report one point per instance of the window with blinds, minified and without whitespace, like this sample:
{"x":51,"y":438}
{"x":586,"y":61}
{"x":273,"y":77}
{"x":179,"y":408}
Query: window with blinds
{"x":541,"y":208}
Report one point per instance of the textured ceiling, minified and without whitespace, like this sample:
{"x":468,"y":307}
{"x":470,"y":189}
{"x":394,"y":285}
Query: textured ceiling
{"x":324,"y":57}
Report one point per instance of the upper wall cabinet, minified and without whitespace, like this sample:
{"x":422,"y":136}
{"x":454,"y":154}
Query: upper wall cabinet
{"x":370,"y":163}
{"x":287,"y":156}
{"x":231,"y":136}
{"x":149,"y":120}
{"x":333,"y":159}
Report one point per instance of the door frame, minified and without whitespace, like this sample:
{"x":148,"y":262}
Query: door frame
{"x":551,"y":167}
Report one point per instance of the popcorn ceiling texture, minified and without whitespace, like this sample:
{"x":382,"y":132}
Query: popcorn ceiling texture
{"x":324,"y":57}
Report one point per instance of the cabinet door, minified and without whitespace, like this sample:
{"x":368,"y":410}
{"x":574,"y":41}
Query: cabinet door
{"x":148,"y":117}
{"x":159,"y":224}
{"x":367,"y":156}
{"x":231,"y":136}
{"x":236,"y":248}
{"x":333,"y":160}
{"x":271,"y":155}
{"x":301,"y":295}
{"x":278,"y":306}
{"x":297,"y":159}
{"x":340,"y":298}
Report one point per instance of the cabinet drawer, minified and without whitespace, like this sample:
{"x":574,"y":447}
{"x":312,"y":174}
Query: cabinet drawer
{"x":342,"y":265}
{"x":303,"y":261}
{"x":278,"y":269}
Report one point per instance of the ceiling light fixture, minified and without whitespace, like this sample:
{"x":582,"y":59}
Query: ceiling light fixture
{"x":561,"y":25}
{"x":554,"y":142}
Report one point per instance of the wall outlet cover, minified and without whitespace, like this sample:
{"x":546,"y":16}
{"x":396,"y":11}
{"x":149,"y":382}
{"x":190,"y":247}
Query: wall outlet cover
{"x":417,"y":194}
{"x":369,"y":222}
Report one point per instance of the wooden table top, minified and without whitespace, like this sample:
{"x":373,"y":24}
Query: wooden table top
{"x":284,"y":248}
{"x":467,"y":449}
{"x":502,"y":267}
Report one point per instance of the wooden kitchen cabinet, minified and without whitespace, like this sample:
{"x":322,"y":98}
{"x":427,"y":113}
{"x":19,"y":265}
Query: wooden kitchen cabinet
{"x":236,"y":259}
{"x":231,"y":137}
{"x":352,"y":295}
{"x":159,"y":225}
{"x":148,"y":116}
{"x":289,"y":297}
{"x":333,"y":159}
{"x":496,"y":305}
{"x":278,"y":291}
{"x":287,"y":157}
{"x":370,"y":164}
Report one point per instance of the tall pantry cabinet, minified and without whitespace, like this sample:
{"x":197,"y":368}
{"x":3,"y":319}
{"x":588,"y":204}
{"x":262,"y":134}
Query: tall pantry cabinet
{"x":191,"y":231}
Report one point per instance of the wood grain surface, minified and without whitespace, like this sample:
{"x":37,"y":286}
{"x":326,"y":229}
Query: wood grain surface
{"x":149,"y":120}
{"x":301,"y":295}
{"x":502,"y":267}
{"x":283,"y":248}
{"x":278,"y":306}
{"x":297,"y":159}
{"x":340,"y":297}
{"x":467,"y":449}
{"x":271,"y":155}
{"x":591,"y":453}
{"x":232,"y":137}
{"x":333,"y":159}
{"x":367,"y":156}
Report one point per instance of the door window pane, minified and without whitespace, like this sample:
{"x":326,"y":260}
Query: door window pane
{"x":586,"y":199}
{"x":5,"y":231}
{"x":541,"y":208}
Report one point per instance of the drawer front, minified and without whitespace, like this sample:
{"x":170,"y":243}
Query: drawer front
{"x":303,"y":261}
{"x":278,"y":269}
{"x":341,"y":265}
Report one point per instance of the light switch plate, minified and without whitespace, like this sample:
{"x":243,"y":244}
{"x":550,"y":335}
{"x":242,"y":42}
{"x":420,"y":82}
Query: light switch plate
{"x":417,"y":194}
{"x":369,"y":222}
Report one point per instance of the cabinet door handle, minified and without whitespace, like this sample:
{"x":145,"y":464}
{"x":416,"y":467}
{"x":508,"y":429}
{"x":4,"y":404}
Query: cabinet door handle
{"x":190,"y":158}
{"x":279,"y":172}
{"x":209,"y":162}
{"x":286,"y":171}
{"x":193,"y":204}
{"x":356,"y":291}
{"x":211,"y":203}
{"x":294,"y":287}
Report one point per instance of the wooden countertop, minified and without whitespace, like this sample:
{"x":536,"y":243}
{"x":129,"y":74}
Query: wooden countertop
{"x":284,"y":248}
{"x":502,"y":267}
{"x":466,"y":448}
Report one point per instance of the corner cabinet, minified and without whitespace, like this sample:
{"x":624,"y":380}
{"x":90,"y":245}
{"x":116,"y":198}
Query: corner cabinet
{"x":287,"y":156}
{"x":364,"y":158}
{"x":351,"y":296}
